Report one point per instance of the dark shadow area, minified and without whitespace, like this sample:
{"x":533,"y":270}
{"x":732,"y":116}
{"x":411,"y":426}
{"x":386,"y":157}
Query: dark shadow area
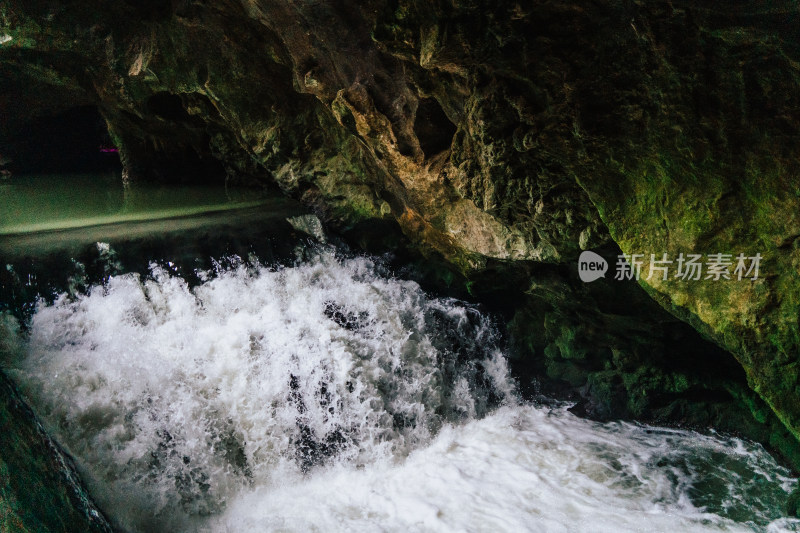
{"x":432,"y":127}
{"x":151,"y":161}
{"x":75,"y":140}
{"x":168,"y":144}
{"x":167,"y":106}
{"x":151,"y":10}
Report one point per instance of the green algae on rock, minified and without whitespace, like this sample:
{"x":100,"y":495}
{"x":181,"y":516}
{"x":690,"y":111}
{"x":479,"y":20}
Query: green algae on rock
{"x":39,"y":489}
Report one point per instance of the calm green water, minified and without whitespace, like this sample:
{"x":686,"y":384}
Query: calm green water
{"x":42,"y":203}
{"x":56,"y":218}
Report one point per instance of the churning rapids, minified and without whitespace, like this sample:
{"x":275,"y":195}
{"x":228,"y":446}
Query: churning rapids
{"x":326,"y":396}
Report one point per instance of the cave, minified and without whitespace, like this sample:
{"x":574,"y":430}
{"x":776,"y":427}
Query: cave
{"x":74,"y":140}
{"x":329,"y":252}
{"x":432,"y":127}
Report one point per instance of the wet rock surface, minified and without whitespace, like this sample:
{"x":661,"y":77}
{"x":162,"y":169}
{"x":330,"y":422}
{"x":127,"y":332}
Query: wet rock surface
{"x":39,"y":488}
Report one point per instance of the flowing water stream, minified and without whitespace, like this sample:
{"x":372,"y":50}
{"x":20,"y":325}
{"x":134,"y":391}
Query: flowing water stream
{"x":275,"y":384}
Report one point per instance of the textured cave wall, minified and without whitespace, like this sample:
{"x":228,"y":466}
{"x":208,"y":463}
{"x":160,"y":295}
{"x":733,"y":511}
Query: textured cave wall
{"x":505,"y":137}
{"x":40,"y":491}
{"x":715,"y":169}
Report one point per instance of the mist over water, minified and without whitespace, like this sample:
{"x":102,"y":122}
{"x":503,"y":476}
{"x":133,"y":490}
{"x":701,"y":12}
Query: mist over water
{"x":326,"y":396}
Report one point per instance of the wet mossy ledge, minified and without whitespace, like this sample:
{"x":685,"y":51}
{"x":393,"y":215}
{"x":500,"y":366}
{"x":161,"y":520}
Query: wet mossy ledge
{"x":502,"y":138}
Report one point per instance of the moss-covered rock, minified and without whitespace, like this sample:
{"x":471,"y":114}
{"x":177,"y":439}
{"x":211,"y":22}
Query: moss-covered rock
{"x":715,"y":172}
{"x":40,"y":492}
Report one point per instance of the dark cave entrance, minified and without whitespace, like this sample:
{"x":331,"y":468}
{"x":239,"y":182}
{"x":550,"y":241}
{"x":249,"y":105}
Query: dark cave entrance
{"x":169,"y":145}
{"x":75,"y":140}
{"x":432,"y":127}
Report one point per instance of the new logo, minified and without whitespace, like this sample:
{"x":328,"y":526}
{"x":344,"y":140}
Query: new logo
{"x":591,"y":266}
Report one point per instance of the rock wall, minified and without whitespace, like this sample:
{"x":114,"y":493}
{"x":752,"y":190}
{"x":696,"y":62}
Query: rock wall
{"x":504,"y":137}
{"x":40,"y":491}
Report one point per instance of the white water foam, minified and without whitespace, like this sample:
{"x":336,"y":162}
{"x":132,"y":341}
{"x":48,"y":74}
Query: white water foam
{"x":324,"y":397}
{"x":526,"y":468}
